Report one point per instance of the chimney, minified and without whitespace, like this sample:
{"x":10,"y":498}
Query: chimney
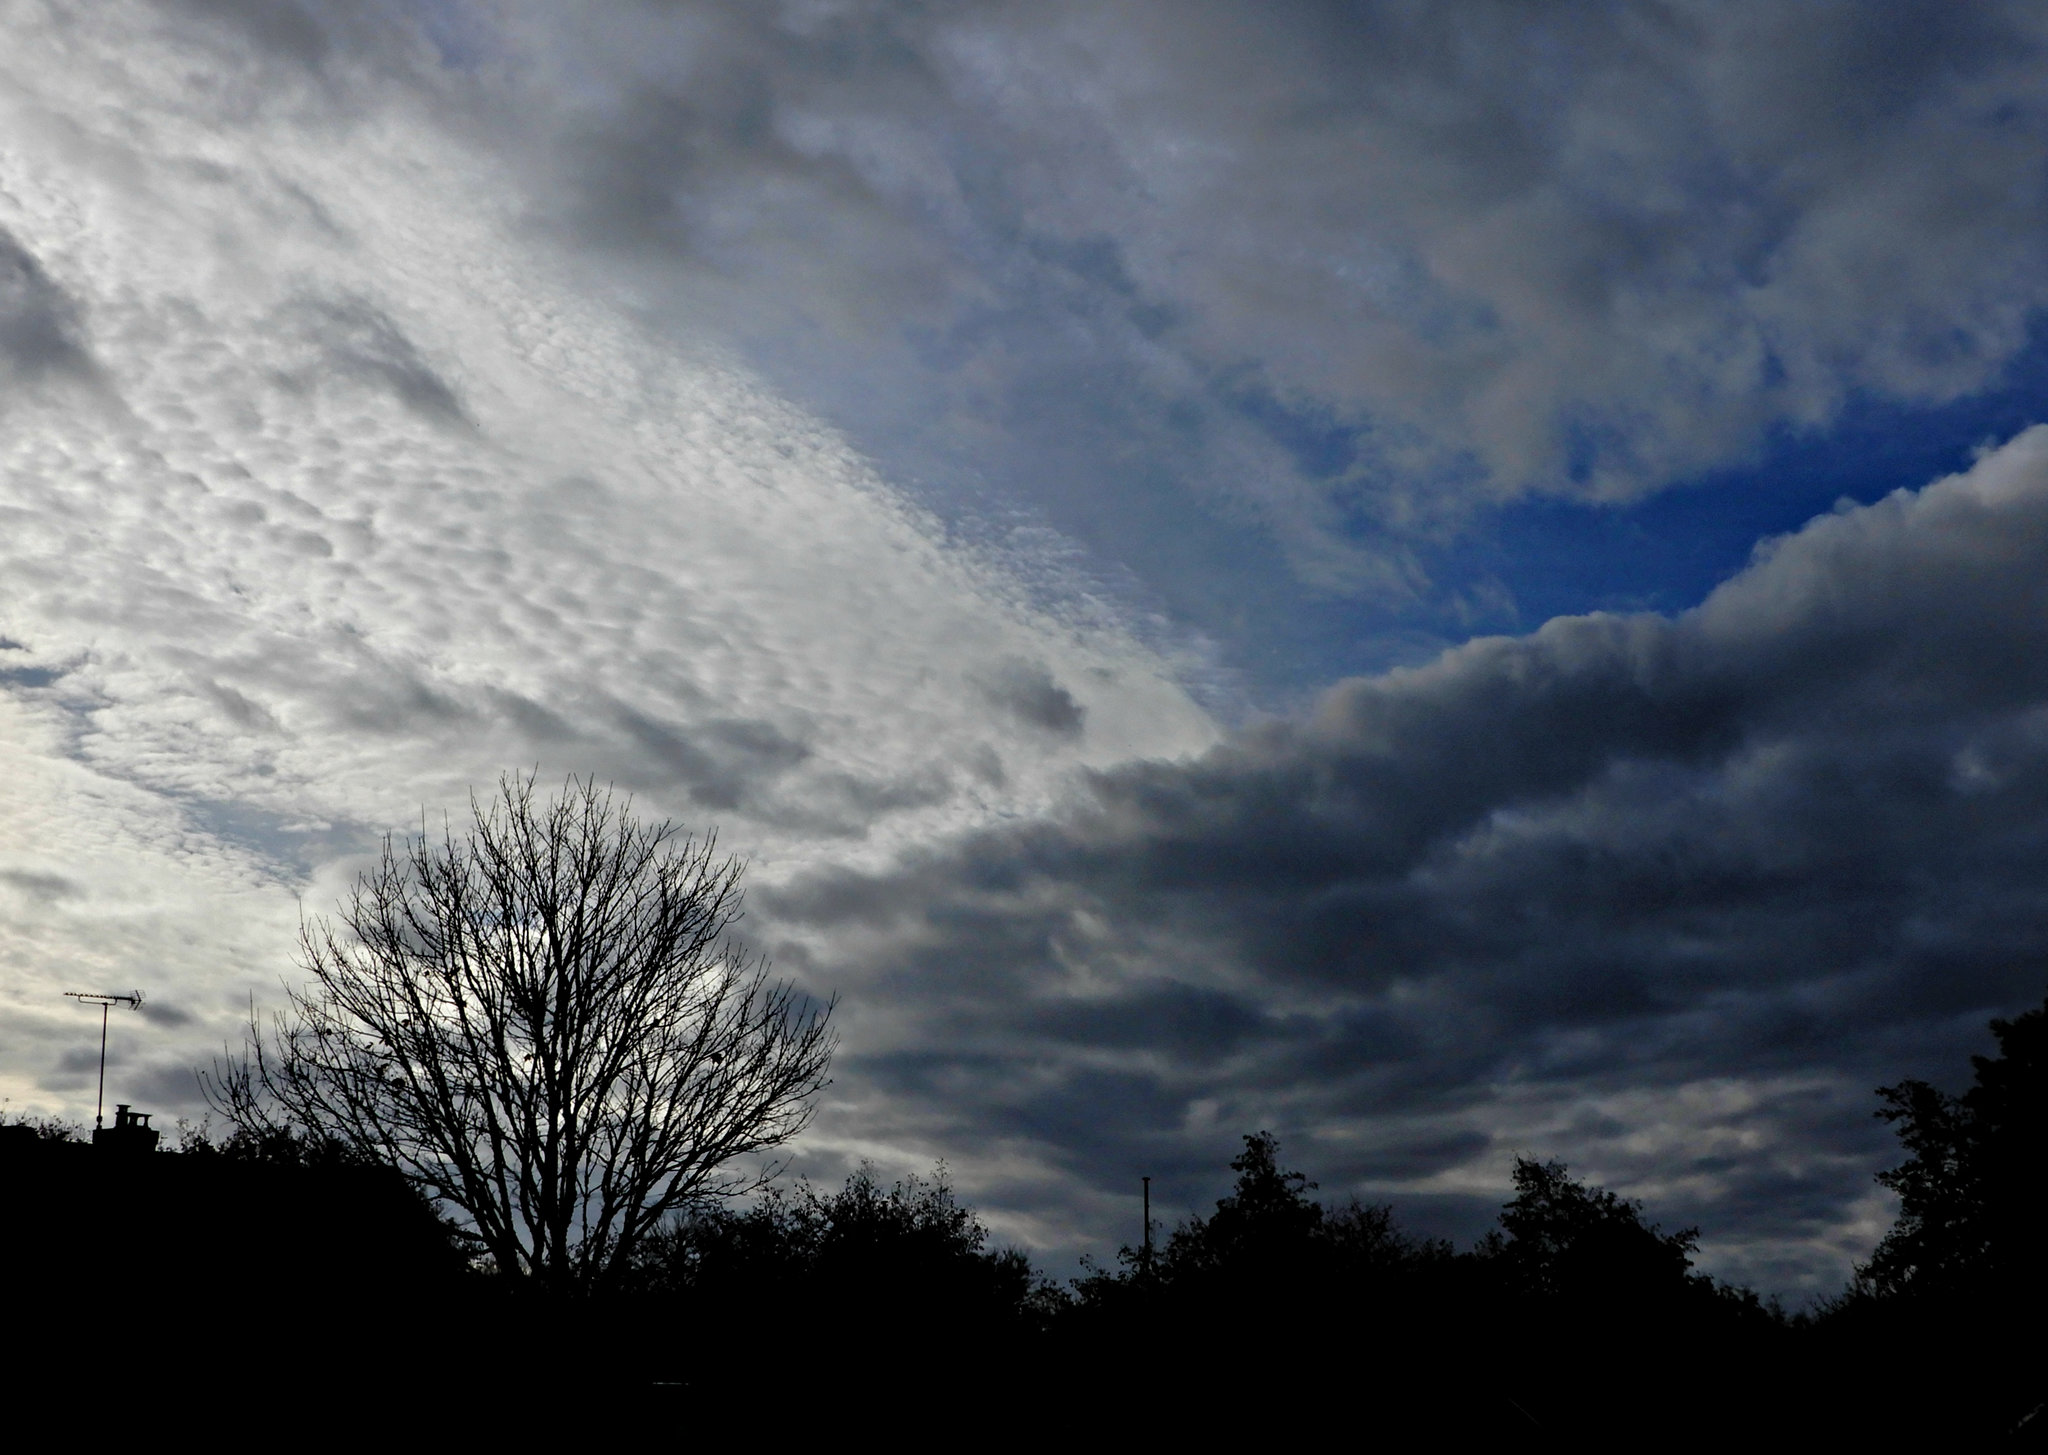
{"x":129,"y":1133}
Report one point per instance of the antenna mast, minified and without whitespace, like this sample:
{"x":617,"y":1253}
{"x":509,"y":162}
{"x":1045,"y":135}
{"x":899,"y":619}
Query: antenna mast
{"x":133,"y":1000}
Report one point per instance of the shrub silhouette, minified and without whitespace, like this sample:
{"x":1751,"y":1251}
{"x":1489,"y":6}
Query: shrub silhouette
{"x":910,"y":1243}
{"x":886,"y":1284}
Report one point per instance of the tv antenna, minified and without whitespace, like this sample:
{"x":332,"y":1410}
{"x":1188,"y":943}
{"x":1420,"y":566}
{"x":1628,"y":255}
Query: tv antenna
{"x":1146,"y":1255}
{"x":133,"y":1000}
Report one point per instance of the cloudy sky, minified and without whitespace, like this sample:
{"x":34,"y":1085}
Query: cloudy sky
{"x":1448,"y":581}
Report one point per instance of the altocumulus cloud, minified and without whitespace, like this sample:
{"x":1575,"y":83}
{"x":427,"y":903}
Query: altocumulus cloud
{"x":326,"y":494}
{"x":1667,"y":896}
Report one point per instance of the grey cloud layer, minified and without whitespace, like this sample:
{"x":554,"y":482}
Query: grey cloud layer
{"x":1147,"y":249}
{"x":39,"y":332}
{"x":1665,"y":895}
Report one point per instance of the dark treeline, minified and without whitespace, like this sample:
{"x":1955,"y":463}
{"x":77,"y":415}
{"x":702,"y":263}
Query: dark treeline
{"x":1275,"y":1305}
{"x":1576,"y":1317}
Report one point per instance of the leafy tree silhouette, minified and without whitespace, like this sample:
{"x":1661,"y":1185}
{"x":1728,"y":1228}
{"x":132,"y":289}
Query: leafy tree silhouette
{"x":1566,"y":1240}
{"x":1267,"y":1236}
{"x":1971,"y":1192}
{"x":1938,"y":1334}
{"x":1266,"y":1224}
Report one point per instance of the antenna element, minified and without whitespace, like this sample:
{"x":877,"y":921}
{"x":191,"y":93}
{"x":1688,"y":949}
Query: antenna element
{"x":133,"y":1000}
{"x":1146,"y":1255}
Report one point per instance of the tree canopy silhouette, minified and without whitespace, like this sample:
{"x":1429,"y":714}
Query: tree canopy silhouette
{"x":891,"y":1287}
{"x":1970,"y":1193}
{"x":1268,"y":1251}
{"x":543,"y":1024}
{"x":912,"y":1247}
{"x":1565,"y":1239}
{"x":1267,"y":1217}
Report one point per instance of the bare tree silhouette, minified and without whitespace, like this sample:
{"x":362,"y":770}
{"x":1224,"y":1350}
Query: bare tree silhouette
{"x":543,"y":1024}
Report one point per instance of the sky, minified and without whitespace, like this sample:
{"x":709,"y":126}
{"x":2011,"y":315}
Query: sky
{"x":1449,"y":581}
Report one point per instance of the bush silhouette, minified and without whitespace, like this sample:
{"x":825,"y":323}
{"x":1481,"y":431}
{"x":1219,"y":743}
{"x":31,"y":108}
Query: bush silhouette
{"x":887,"y":1286}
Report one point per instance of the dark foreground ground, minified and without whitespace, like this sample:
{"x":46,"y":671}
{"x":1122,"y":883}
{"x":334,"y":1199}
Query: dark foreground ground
{"x":328,"y":1298}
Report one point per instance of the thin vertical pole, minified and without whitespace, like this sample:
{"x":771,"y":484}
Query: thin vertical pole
{"x":99,"y":1107}
{"x":1148,"y":1220}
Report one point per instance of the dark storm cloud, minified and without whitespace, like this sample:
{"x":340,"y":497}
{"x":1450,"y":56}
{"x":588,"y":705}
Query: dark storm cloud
{"x":745,"y":765}
{"x":170,"y":1085}
{"x":40,"y":325}
{"x":44,"y":888}
{"x":278,"y":26}
{"x":335,"y":45}
{"x":353,"y":339}
{"x":1797,"y":836}
{"x":240,"y":709}
{"x":1027,"y":692}
{"x":721,"y":763}
{"x":158,"y":1013}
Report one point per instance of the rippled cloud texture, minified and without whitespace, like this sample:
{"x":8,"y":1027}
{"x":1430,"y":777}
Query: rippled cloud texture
{"x":896,"y":435}
{"x":322,"y":498}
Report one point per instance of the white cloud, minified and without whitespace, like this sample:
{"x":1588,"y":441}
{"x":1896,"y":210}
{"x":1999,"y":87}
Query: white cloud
{"x":356,"y":499}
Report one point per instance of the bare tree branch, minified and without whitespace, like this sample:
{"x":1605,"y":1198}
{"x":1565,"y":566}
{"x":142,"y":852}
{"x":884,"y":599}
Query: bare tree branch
{"x":543,"y":1023}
